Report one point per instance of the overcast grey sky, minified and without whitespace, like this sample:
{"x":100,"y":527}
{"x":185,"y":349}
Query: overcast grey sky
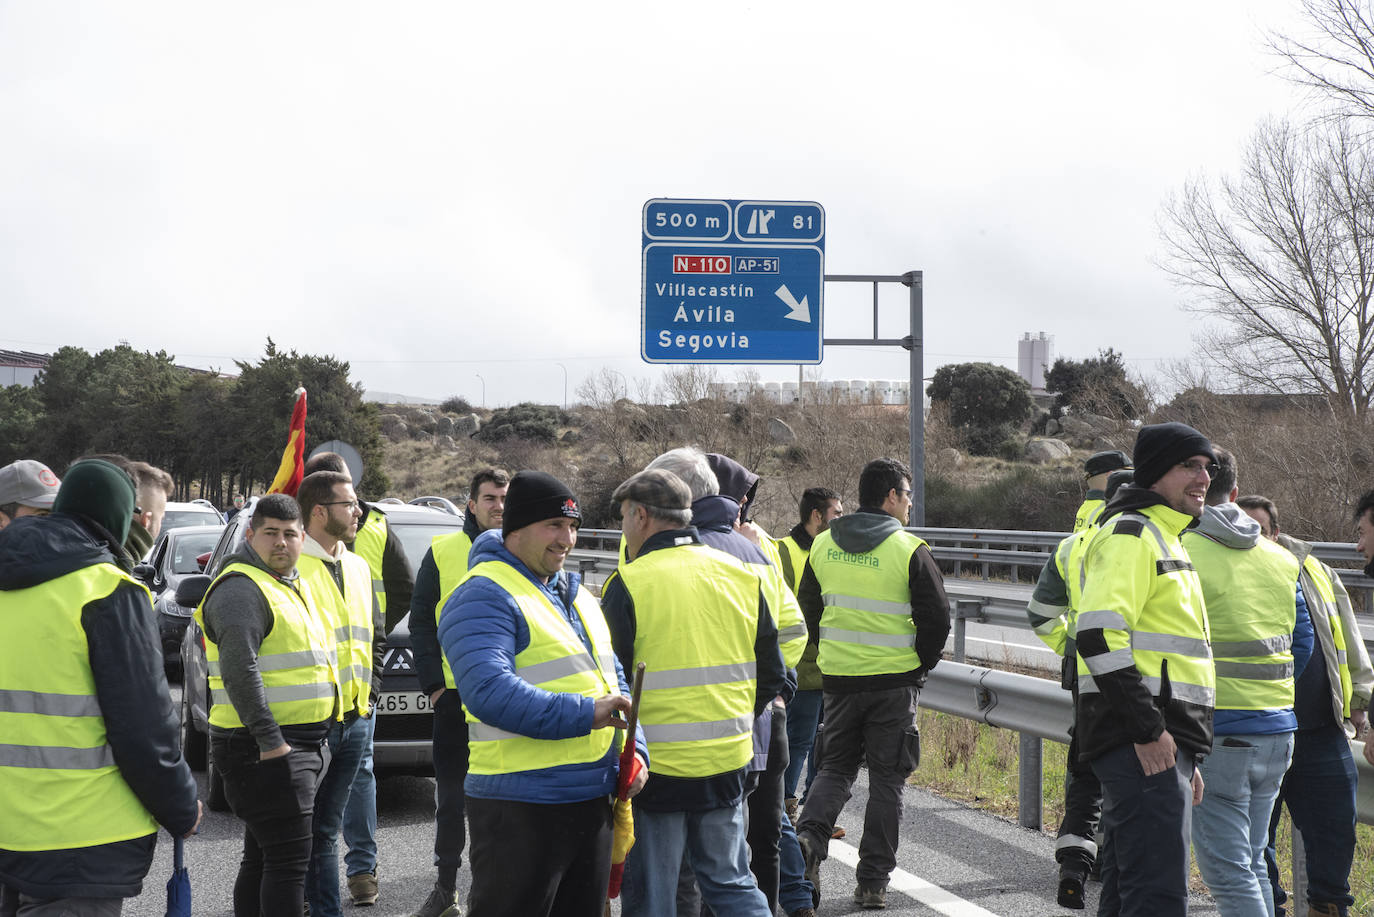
{"x":437,"y":191}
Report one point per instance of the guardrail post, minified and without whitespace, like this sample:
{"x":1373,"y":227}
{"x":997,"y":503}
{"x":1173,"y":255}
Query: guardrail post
{"x":963,"y":610}
{"x":1031,"y":791}
{"x":1297,"y":896}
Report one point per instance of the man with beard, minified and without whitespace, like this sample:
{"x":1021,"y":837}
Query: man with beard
{"x":341,"y":582}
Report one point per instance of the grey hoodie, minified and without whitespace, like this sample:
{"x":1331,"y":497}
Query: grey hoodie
{"x":1229,"y":525}
{"x":859,"y":533}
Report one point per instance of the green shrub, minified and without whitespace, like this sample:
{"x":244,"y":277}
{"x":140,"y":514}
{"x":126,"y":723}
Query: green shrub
{"x":536,"y":422}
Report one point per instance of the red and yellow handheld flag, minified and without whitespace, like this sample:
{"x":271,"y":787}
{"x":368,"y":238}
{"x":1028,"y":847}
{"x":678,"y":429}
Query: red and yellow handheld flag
{"x":292,"y":468}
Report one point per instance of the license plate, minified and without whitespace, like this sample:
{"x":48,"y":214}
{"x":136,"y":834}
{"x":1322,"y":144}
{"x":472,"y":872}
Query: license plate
{"x":402,"y":702}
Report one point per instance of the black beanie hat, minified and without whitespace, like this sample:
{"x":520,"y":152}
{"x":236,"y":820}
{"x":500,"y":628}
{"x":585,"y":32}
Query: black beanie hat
{"x":1158,"y":447}
{"x":101,"y":492}
{"x":1103,"y":462}
{"x":534,"y":496}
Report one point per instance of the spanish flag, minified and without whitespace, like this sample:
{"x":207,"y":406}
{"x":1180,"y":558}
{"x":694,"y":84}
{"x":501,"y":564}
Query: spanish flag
{"x":292,"y":467}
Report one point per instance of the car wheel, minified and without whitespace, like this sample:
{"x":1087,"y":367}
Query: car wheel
{"x":215,"y":800}
{"x":193,"y":742}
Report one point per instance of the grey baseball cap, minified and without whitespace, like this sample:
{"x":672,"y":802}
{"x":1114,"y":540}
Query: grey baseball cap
{"x":28,"y":483}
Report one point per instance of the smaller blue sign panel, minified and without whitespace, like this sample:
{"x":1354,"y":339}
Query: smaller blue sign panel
{"x":732,"y":281}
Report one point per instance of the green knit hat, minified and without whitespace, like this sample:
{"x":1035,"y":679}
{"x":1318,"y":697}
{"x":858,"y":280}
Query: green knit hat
{"x":101,"y":492}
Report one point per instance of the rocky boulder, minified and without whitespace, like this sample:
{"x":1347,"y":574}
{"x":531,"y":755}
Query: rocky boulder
{"x":1043,"y":450}
{"x":780,"y":433}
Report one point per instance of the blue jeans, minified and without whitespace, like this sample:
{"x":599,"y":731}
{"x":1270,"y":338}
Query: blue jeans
{"x":794,"y":891}
{"x":1231,"y":827}
{"x":1319,"y":790}
{"x":348,"y":742}
{"x":714,"y":843}
{"x":803,"y":713}
{"x":360,"y":818}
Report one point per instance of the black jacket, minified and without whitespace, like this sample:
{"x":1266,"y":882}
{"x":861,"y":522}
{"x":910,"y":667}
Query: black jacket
{"x":131,"y":688}
{"x":424,"y":625}
{"x":396,"y":578}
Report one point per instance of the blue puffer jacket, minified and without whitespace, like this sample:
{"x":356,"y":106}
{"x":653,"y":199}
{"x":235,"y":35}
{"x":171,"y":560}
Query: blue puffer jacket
{"x":481,"y":630}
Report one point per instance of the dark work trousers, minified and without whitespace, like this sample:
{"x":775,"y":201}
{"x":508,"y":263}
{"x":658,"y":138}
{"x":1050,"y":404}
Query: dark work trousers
{"x":1146,"y":832}
{"x":531,"y":860}
{"x":1319,"y":789}
{"x":1076,"y":849}
{"x":765,"y":808}
{"x":878,"y":727}
{"x":276,"y":800}
{"x":450,"y":770}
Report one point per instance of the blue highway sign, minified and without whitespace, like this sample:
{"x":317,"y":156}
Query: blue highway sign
{"x":732,"y":281}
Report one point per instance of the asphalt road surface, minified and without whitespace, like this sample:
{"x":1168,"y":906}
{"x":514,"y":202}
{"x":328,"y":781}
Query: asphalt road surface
{"x":954,"y":861}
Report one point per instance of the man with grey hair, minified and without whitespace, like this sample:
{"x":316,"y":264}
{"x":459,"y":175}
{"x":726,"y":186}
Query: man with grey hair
{"x":690,"y":465}
{"x":697,"y":617}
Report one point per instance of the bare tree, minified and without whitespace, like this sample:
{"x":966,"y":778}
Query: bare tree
{"x":1283,"y":256}
{"x":1335,"y":58}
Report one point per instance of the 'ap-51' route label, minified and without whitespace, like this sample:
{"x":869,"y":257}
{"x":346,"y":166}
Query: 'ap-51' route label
{"x":732,"y":281}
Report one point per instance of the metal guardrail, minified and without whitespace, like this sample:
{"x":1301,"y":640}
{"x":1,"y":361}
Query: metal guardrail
{"x":1039,"y":709}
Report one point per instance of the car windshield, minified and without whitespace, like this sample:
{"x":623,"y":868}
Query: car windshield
{"x":190,"y":546}
{"x":176,"y":518}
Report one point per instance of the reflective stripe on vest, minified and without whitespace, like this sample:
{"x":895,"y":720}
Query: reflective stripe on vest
{"x":1252,"y":606}
{"x":866,"y":626}
{"x":350,"y":621}
{"x":297,"y":660}
{"x":370,"y":545}
{"x":697,"y":616}
{"x":1170,"y":628}
{"x":556,"y":660}
{"x":59,"y":785}
{"x":450,"y":552}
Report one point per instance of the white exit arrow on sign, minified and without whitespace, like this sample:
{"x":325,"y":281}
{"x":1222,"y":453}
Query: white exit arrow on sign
{"x":801,"y":311}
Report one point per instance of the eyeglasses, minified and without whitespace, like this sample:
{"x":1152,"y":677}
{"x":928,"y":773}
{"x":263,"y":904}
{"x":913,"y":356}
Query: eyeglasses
{"x":351,"y":504}
{"x":1193,"y":466}
{"x":902,"y":492}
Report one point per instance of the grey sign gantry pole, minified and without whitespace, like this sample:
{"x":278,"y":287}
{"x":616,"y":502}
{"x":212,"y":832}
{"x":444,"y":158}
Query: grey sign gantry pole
{"x":916,"y":395}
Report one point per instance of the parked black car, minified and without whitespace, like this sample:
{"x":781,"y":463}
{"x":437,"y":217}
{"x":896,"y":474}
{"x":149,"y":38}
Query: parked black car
{"x":174,"y":556}
{"x":403,"y":737}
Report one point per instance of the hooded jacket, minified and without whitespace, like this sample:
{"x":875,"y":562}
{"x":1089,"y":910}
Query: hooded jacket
{"x":859,"y":533}
{"x":141,"y":724}
{"x":1229,"y":526}
{"x":482,"y":629}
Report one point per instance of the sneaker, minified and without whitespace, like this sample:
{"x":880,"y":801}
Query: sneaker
{"x":793,"y":809}
{"x":362,"y":889}
{"x":812,"y":872}
{"x":870,"y":897}
{"x":803,"y":912}
{"x":837,"y":833}
{"x":442,"y":902}
{"x":1324,"y":909}
{"x":1071,"y":892}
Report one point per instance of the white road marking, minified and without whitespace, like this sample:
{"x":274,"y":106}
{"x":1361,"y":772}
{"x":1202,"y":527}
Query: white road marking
{"x":914,"y":887}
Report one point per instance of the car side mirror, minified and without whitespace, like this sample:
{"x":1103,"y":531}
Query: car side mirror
{"x":202,"y":560}
{"x":144,"y":573}
{"x":191,"y":590}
